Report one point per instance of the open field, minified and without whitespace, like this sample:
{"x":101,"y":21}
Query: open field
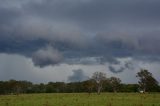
{"x":81,"y":99}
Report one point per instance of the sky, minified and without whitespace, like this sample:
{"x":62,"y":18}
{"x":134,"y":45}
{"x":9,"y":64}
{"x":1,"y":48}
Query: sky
{"x":69,"y":40}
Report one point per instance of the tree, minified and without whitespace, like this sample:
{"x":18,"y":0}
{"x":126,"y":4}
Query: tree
{"x":89,"y":85}
{"x":146,"y":81}
{"x":129,"y":87}
{"x":99,"y":78}
{"x":115,"y":83}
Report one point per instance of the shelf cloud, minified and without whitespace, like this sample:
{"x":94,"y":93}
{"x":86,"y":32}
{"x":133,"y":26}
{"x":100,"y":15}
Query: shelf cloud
{"x":85,"y":32}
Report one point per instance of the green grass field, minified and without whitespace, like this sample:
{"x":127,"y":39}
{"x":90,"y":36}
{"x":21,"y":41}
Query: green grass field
{"x":81,"y":99}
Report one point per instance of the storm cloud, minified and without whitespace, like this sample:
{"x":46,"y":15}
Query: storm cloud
{"x":80,"y":32}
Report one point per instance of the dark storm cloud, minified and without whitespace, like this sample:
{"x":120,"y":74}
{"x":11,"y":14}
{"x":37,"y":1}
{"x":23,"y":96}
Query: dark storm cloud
{"x":92,"y":10}
{"x":78,"y":75}
{"x":103,"y":30}
{"x":7,"y":16}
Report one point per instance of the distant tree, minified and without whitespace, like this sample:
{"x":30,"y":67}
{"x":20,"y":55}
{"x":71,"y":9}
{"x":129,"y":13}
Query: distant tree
{"x":146,"y":81}
{"x":2,"y":87}
{"x":99,"y":78}
{"x":59,"y":86}
{"x":115,"y":83}
{"x":129,"y":87}
{"x":107,"y":86}
{"x":89,"y":85}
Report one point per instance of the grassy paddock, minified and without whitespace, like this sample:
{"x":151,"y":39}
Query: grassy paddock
{"x":81,"y":99}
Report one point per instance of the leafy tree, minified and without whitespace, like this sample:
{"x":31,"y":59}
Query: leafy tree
{"x":146,"y":81}
{"x":107,"y":86}
{"x":99,"y":78}
{"x":115,"y":83}
{"x":89,"y":85}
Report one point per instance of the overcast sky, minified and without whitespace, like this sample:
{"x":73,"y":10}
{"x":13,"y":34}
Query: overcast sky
{"x":68,"y":40}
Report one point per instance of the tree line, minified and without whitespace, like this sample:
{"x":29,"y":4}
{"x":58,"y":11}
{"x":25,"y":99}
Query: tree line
{"x":98,"y":83}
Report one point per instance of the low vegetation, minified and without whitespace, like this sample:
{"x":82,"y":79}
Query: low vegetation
{"x":81,"y":99}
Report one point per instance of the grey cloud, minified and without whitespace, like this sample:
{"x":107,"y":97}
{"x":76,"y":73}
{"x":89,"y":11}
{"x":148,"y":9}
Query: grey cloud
{"x":149,"y":42}
{"x":121,"y":66}
{"x":104,"y":29}
{"x":82,"y":32}
{"x":106,"y":12}
{"x":118,"y":39}
{"x":113,"y":70}
{"x":96,"y":15}
{"x":78,"y":75}
{"x":83,"y":61}
{"x":148,"y":58}
{"x":47,"y":56}
{"x":131,"y":43}
{"x":8,"y":16}
{"x":129,"y":65}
